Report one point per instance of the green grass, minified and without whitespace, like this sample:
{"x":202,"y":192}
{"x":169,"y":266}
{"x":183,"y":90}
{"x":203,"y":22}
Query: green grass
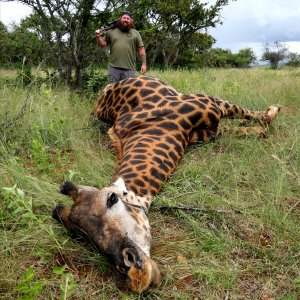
{"x":47,"y":137}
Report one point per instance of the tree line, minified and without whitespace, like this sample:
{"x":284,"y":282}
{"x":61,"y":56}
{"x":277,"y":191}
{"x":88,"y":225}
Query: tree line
{"x":61,"y":35}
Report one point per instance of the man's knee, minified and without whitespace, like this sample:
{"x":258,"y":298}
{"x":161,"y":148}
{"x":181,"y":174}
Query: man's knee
{"x":112,"y":79}
{"x":131,"y":73}
{"x":113,"y":75}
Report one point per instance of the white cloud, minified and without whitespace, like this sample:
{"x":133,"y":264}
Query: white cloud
{"x":252,"y":23}
{"x":293,"y":46}
{"x":13,"y":12}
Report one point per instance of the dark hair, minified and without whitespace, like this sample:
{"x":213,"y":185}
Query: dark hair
{"x":126,"y":13}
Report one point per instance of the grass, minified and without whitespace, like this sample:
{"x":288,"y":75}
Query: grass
{"x":47,"y":138}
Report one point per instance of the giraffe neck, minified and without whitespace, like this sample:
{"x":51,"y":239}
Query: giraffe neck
{"x":112,"y":104}
{"x":147,"y":161}
{"x":139,"y":202}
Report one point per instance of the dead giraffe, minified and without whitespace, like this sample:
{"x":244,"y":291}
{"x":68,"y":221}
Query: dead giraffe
{"x":152,"y":124}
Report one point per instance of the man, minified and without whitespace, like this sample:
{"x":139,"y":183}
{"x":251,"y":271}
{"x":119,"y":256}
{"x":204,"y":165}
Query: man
{"x":125,"y":42}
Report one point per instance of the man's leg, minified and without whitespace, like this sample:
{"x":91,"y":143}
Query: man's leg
{"x":113,"y":75}
{"x":127,"y":74}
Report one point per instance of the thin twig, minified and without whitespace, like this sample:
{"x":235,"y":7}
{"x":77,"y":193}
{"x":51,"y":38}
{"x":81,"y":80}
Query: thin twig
{"x":291,"y":209}
{"x":166,"y":209}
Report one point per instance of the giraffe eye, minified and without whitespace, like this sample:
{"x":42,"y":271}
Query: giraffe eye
{"x":111,"y":200}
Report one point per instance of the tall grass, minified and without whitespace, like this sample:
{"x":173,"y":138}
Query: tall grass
{"x":47,"y":137}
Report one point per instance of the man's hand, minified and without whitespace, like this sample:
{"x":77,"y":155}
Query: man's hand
{"x":143,"y":69}
{"x":98,"y":32}
{"x":142,"y":54}
{"x":100,"y":41}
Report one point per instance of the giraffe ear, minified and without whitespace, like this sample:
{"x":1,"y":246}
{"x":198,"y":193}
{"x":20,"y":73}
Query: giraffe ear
{"x":69,"y":189}
{"x":121,"y":185}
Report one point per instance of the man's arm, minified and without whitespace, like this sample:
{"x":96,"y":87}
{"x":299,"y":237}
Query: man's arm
{"x":100,"y":41}
{"x":142,"y":54}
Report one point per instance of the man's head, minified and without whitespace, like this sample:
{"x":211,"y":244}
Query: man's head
{"x":125,"y":22}
{"x":125,"y":13}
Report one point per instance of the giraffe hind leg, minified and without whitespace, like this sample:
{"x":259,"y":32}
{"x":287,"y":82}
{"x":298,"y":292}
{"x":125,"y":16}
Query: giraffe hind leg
{"x":264,"y":118}
{"x":272,"y":112}
{"x":242,"y":131}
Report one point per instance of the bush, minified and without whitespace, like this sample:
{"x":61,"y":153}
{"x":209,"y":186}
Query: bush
{"x":93,"y":81}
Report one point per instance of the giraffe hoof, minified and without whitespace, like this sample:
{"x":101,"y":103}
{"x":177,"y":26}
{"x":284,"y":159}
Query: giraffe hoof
{"x":272,"y":112}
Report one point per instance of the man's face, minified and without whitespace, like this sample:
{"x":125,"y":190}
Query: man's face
{"x":125,"y":21}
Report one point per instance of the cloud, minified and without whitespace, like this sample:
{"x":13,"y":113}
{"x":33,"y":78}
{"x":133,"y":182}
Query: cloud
{"x":254,"y":22}
{"x":13,"y":12}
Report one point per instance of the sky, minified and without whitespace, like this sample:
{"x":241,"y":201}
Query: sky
{"x":246,"y":23}
{"x":253,"y":23}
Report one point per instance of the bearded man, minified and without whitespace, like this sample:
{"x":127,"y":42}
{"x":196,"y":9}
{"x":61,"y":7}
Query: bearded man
{"x":125,"y":43}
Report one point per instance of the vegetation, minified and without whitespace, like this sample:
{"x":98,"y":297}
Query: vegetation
{"x":275,"y":53}
{"x":47,"y":137}
{"x":65,"y":32}
{"x":293,"y":59}
{"x":61,"y":36}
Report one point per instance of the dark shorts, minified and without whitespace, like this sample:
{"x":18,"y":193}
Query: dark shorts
{"x":117,"y":74}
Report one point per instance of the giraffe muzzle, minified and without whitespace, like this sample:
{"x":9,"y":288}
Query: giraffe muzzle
{"x":143,"y":272}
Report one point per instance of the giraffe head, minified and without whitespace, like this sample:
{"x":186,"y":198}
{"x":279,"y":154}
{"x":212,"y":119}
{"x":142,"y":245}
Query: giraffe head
{"x":118,"y":228}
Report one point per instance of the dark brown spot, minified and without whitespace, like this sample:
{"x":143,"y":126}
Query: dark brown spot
{"x":164,"y":146}
{"x":144,"y":93}
{"x":139,"y":182}
{"x":185,"y":109}
{"x":153,"y":131}
{"x":130,"y":92}
{"x":153,"y":84}
{"x":168,"y":125}
{"x":142,"y":167}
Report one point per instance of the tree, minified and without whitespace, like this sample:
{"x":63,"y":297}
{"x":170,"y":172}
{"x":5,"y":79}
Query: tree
{"x":25,"y":45}
{"x":3,"y":43}
{"x":224,"y":58}
{"x":244,"y":58}
{"x":168,"y":28}
{"x":219,"y":58}
{"x":293,"y":59}
{"x":274,"y":53}
{"x":19,"y":43}
{"x":65,"y":28}
{"x":189,"y":56}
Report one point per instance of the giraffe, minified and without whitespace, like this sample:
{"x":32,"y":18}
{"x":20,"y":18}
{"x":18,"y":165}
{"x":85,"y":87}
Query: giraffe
{"x":152,"y":125}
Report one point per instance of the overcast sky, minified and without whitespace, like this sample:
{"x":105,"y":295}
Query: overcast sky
{"x":252,"y":23}
{"x":246,"y":23}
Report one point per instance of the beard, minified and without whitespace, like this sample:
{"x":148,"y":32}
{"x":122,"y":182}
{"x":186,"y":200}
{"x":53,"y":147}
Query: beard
{"x":124,"y":28}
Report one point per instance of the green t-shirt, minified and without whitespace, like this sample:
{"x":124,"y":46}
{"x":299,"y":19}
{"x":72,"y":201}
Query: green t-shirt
{"x":123,"y":48}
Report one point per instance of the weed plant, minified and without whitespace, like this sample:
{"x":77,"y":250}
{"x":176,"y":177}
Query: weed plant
{"x":243,"y":245}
